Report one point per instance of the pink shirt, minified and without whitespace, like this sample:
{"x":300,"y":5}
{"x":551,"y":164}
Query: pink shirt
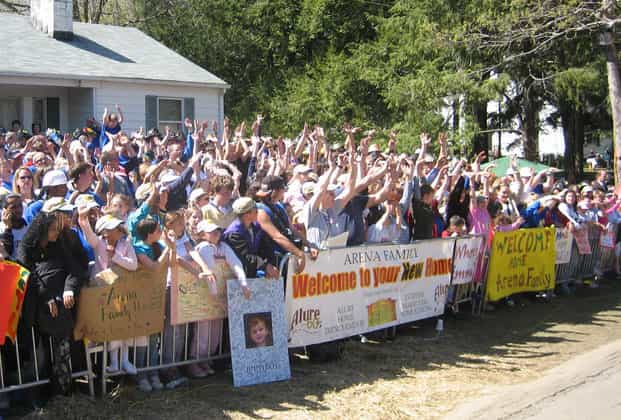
{"x":480,"y":221}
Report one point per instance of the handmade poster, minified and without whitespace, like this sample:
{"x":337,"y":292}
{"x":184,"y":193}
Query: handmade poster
{"x":132,"y":306}
{"x":14,"y":283}
{"x":191,"y":299}
{"x":521,"y":261}
{"x":258,"y":333}
{"x":352,"y":291}
{"x":581,"y":235}
{"x":466,"y":257}
{"x":608,"y":237}
{"x":563,"y":242}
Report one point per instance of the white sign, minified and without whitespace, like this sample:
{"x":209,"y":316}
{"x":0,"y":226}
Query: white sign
{"x":467,"y":253}
{"x":351,"y":291}
{"x":564,"y":241}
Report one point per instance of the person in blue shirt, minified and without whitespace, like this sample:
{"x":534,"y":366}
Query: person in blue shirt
{"x":111,"y":125}
{"x":82,"y":178}
{"x":535,"y":213}
{"x":54,"y":185}
{"x":86,"y":201}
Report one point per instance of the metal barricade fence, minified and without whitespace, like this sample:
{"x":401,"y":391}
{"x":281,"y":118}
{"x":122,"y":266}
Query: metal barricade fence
{"x":26,"y":363}
{"x":164,"y":352}
{"x":600,"y":261}
{"x":184,"y":347}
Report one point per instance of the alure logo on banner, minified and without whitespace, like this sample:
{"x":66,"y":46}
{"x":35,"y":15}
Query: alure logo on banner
{"x":306,"y":320}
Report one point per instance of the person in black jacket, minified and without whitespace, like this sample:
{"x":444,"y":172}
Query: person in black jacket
{"x":51,"y":251}
{"x":250,"y":243}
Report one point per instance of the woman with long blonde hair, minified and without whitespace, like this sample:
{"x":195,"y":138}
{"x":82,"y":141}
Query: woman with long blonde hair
{"x":23,"y":184}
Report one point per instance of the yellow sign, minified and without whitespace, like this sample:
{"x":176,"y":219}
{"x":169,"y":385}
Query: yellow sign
{"x":521,"y":261}
{"x":382,"y":312}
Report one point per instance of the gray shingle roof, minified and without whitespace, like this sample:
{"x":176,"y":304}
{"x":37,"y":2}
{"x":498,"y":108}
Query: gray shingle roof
{"x":96,"y":52}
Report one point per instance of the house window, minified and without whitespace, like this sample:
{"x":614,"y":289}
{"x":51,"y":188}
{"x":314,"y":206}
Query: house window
{"x":170,"y":113}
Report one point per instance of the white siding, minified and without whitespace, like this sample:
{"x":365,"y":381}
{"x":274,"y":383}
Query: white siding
{"x":80,"y":106}
{"x":131,"y":98}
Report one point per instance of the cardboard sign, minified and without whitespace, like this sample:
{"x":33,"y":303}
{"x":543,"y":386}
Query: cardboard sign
{"x":467,"y":254}
{"x":521,"y":261}
{"x":350,"y":291}
{"x":258,"y":333}
{"x":582,"y":240}
{"x":14,"y":279}
{"x":133,"y":306}
{"x":192,"y":300}
{"x":563,"y":242}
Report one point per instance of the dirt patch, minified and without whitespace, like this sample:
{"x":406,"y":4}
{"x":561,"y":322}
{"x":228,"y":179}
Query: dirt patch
{"x":414,"y":375}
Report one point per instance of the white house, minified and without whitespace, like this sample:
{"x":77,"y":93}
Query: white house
{"x":58,"y":73}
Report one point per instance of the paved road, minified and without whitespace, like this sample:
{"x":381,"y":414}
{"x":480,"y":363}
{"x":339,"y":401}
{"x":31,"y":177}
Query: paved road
{"x":586,"y":387}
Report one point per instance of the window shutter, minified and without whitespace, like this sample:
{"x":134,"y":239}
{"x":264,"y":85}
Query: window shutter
{"x":150,"y":118}
{"x":53,"y":113}
{"x":188,"y":108}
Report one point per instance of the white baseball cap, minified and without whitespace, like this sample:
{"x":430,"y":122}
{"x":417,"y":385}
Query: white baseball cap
{"x":197,"y":193}
{"x":207,"y":227}
{"x":301,"y":169}
{"x":54,"y":178}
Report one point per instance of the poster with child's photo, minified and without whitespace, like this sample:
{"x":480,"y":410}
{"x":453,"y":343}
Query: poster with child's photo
{"x":258,"y":333}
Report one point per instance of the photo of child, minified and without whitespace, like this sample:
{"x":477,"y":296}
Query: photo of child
{"x":258,"y":330}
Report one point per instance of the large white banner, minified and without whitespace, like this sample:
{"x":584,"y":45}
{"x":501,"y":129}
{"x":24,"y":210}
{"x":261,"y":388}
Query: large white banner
{"x":564,"y":241}
{"x":351,"y":291}
{"x":465,"y":263}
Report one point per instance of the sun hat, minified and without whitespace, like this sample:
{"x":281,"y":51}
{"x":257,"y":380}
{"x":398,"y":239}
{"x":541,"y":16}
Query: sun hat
{"x":86,"y":200}
{"x":207,"y":227}
{"x":57,"y":204}
{"x":107,"y":222}
{"x":243,"y":205}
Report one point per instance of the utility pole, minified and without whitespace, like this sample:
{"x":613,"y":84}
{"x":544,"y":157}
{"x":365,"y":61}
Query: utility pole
{"x":614,"y":83}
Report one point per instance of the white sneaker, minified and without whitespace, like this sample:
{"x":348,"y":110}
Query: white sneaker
{"x":144,"y":385}
{"x":128,"y":367}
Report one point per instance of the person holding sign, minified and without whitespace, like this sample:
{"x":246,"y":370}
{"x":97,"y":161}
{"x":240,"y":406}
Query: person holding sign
{"x":209,"y":253}
{"x":112,"y":247}
{"x":152,"y":255}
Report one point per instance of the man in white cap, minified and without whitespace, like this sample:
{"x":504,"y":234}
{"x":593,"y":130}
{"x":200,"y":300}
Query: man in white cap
{"x":249,"y":241}
{"x":294,"y":196}
{"x":54,"y":185}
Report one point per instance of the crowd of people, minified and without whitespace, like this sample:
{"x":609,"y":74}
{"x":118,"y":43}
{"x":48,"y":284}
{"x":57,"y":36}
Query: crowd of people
{"x":76,"y":204}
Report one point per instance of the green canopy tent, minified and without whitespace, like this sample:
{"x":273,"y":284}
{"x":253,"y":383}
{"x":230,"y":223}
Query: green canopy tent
{"x":503,"y":163}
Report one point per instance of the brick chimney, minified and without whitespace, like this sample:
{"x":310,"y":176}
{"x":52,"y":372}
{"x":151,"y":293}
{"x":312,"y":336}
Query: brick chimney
{"x":53,"y":17}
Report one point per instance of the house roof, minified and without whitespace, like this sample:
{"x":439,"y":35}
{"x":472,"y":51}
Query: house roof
{"x":97,"y":52}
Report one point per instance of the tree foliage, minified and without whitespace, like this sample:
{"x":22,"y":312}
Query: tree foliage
{"x":425,"y":65}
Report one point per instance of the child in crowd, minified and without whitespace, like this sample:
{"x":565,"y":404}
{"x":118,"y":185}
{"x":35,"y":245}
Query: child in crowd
{"x":152,"y":255}
{"x":258,"y":332}
{"x":457,"y":227}
{"x":210,"y":253}
{"x":111,"y":247}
